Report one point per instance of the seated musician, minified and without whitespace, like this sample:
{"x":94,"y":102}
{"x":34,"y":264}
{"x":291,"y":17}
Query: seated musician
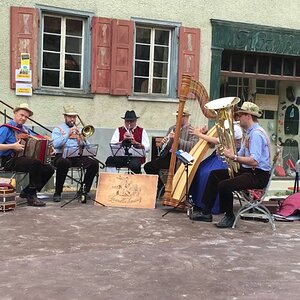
{"x":129,"y":135}
{"x":254,"y":172}
{"x":212,"y":162}
{"x":67,"y":136}
{"x":186,"y":142}
{"x":39,"y":173}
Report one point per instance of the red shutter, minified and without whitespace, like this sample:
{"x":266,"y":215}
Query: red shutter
{"x":23,"y":39}
{"x":101,"y":55}
{"x":189,"y":53}
{"x":122,"y":56}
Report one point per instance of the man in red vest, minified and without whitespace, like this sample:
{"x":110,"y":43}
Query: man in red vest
{"x":130,"y":141}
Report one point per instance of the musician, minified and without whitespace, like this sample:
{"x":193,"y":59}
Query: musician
{"x":186,"y":143}
{"x":39,"y":173}
{"x":67,"y":136}
{"x":129,"y":135}
{"x":254,"y":172}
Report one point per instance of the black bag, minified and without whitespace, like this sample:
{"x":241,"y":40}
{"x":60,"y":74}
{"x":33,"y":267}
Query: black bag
{"x":290,"y":93}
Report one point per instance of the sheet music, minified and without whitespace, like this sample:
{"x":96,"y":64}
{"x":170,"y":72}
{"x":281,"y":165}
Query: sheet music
{"x":118,"y":150}
{"x":86,"y":150}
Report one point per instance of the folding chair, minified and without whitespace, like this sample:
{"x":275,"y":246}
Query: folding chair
{"x":252,"y":200}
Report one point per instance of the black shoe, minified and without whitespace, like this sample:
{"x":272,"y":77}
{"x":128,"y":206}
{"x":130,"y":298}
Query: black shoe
{"x":226,"y":222}
{"x":25,"y":195}
{"x":199,"y":216}
{"x":34,"y":201}
{"x":56,"y":197}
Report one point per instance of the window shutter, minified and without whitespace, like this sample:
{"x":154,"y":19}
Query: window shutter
{"x":23,"y":39}
{"x":189,"y":53}
{"x":122,"y":57}
{"x":101,"y":55}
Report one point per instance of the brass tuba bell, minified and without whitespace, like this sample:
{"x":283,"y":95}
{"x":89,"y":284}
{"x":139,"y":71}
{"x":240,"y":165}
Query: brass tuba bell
{"x":224,"y":109}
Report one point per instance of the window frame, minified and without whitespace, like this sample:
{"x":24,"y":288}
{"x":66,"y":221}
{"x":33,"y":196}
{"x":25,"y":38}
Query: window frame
{"x":173,"y":53}
{"x":85,"y":91}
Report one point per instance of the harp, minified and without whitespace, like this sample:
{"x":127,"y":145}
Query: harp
{"x":175,"y":185}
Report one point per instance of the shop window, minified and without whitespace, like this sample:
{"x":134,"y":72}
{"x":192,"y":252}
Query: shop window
{"x":288,"y":67}
{"x":250,"y":63}
{"x":263,"y":64}
{"x":276,"y":65}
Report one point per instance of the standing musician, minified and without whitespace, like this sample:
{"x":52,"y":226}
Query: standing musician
{"x":186,"y":143}
{"x":67,"y":135}
{"x":39,"y":173}
{"x":254,"y":172}
{"x":129,"y":135}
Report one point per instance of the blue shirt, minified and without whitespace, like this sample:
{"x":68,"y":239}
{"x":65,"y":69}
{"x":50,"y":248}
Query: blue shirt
{"x":257,"y":148}
{"x":8,"y":136}
{"x":61,"y":138}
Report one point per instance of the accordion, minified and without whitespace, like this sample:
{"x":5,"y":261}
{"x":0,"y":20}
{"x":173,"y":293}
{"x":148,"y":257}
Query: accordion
{"x":38,"y":148}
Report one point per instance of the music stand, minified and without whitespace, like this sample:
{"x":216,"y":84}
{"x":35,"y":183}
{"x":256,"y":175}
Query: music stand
{"x":89,"y":150}
{"x":126,"y":149}
{"x":187,"y":160}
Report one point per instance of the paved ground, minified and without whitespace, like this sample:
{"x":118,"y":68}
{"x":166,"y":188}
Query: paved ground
{"x":84,"y":251}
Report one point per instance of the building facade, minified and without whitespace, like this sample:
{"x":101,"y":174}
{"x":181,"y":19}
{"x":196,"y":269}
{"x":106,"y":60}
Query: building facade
{"x":106,"y":59}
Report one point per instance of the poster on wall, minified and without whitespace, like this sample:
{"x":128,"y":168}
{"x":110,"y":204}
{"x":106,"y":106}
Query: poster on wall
{"x":21,"y":76}
{"x":23,"y":89}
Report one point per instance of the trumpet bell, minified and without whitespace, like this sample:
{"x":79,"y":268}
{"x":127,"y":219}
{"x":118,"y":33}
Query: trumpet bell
{"x":88,"y":131}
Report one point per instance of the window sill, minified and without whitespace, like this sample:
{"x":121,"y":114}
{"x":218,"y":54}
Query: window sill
{"x":78,"y":94}
{"x":152,"y":99}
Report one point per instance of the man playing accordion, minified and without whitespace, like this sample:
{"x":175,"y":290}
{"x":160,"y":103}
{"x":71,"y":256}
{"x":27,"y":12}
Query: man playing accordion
{"x":39,"y":173}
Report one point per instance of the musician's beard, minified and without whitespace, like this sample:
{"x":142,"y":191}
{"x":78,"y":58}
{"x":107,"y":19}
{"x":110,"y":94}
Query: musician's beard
{"x":70,"y":124}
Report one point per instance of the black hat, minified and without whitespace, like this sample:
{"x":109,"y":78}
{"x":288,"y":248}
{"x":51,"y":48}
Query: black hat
{"x":130,"y":115}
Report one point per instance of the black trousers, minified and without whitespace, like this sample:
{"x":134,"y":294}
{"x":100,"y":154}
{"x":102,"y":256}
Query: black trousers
{"x":132,"y":163}
{"x":39,"y":173}
{"x":154,"y":166}
{"x":62,"y":167}
{"x":219,"y":182}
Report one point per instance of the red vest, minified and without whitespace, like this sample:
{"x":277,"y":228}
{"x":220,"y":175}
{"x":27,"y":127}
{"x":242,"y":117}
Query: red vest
{"x":137,"y":134}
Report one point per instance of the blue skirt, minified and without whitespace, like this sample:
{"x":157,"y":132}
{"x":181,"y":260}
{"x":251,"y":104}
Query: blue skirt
{"x":213,"y":162}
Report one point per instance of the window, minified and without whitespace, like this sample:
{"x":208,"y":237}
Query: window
{"x":152,"y":60}
{"x":62,"y":52}
{"x":65,"y":55}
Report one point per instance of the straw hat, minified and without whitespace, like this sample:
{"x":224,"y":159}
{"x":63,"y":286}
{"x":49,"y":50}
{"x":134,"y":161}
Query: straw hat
{"x":70,"y":110}
{"x":250,"y":108}
{"x":24,"y":106}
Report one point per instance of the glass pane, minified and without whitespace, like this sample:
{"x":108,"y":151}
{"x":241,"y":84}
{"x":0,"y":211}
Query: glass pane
{"x":142,"y":52}
{"x":140,"y":85}
{"x":161,"y":53}
{"x":276,"y":65}
{"x":245,"y":81}
{"x":225,"y":61}
{"x":73,"y":45}
{"x":260,"y":91}
{"x":271,"y":84}
{"x":288,"y":67}
{"x":297,"y":67}
{"x":250,"y":63}
{"x":260,"y":83}
{"x":263,"y":65}
{"x":50,"y":78}
{"x":161,"y":37}
{"x":237,"y":62}
{"x":159,"y":86}
{"x":73,"y":62}
{"x":51,"y":60}
{"x":72,"y":80}
{"x":52,"y":24}
{"x":51,"y":42}
{"x":160,"y":70}
{"x":141,"y":68}
{"x":74,"y":27}
{"x":232,"y":91}
{"x":143,"y":35}
{"x":232,"y":80}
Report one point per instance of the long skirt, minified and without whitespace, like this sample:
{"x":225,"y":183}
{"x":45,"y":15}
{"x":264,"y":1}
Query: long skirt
{"x":213,"y":162}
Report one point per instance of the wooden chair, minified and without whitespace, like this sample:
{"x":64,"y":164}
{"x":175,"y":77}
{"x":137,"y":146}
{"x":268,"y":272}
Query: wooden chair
{"x":252,"y":200}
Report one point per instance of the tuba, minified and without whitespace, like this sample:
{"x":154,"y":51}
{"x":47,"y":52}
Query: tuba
{"x":223,"y":107}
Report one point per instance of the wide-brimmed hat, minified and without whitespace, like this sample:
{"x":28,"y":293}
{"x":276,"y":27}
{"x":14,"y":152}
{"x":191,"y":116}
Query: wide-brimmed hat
{"x":24,"y":106}
{"x":130,"y":115}
{"x":250,"y":108}
{"x":70,"y":110}
{"x":185,"y":112}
